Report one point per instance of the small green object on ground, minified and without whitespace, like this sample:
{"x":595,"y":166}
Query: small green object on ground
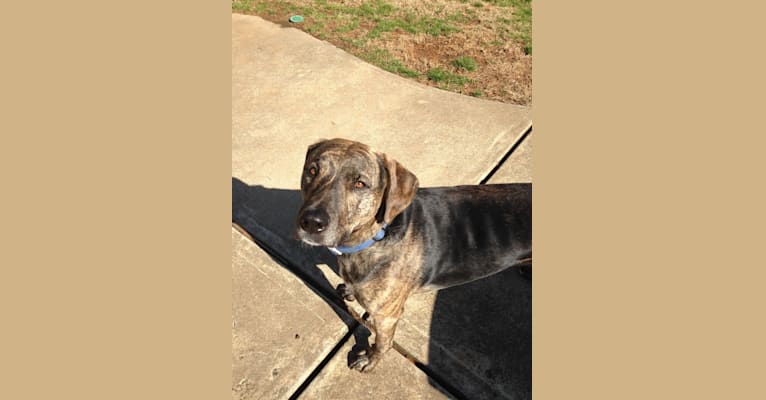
{"x":296,"y":18}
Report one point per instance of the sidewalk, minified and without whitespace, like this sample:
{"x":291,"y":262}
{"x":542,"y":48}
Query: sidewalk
{"x":290,"y":90}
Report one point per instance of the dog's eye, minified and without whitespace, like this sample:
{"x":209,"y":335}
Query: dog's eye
{"x":359,"y":184}
{"x":313,"y":171}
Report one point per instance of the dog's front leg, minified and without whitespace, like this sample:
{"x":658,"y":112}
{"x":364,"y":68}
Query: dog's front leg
{"x":384,"y":328}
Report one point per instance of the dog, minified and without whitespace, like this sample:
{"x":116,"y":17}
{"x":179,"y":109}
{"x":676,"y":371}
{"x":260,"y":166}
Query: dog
{"x":393,"y":238}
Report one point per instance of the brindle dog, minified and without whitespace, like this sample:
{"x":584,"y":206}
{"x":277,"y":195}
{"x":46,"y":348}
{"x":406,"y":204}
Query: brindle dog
{"x":433,"y":237}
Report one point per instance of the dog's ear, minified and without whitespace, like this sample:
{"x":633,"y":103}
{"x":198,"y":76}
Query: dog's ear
{"x":305,"y":163}
{"x":311,"y":148}
{"x":401,"y":185}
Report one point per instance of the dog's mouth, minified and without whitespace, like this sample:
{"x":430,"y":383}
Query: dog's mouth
{"x":316,"y":239}
{"x":324,"y":239}
{"x":310,"y":242}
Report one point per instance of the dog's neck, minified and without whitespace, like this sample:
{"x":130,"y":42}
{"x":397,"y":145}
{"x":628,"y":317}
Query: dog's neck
{"x":362,"y":233}
{"x":379,"y":235}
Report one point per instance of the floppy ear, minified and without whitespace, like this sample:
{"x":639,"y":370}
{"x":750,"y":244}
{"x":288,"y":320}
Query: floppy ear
{"x":401,"y":186}
{"x":312,"y":147}
{"x":306,"y":160}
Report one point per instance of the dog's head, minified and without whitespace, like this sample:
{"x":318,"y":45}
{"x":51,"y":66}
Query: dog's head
{"x":348,"y":190}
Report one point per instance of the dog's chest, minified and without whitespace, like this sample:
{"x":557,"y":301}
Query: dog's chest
{"x":356,"y":270}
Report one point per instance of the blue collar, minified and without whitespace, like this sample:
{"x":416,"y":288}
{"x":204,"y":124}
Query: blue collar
{"x":340,"y":250}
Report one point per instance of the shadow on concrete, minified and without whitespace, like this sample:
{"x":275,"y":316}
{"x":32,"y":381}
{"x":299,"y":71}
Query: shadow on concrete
{"x":268,"y":216}
{"x":486,"y":324}
{"x":265,"y":212}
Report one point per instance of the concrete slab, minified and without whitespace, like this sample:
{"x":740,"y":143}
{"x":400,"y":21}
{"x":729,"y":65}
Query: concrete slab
{"x":518,"y":167}
{"x":281,"y":330}
{"x":394,"y":378}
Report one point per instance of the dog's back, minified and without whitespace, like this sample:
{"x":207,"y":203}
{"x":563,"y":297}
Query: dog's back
{"x":470,"y":232}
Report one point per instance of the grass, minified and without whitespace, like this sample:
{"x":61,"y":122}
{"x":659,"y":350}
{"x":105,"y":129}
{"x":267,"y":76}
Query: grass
{"x":348,"y":27}
{"x":411,"y":23}
{"x":466,"y":63}
{"x":386,"y":61}
{"x":521,"y":21}
{"x":442,"y":76}
{"x":436,"y":42}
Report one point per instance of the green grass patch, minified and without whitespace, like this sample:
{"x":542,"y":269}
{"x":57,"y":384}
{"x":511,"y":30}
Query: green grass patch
{"x":442,"y":76}
{"x":383,"y":59}
{"x":522,"y":20}
{"x":370,"y":9}
{"x":354,"y":24}
{"x":240,"y":6}
{"x":359,"y":43}
{"x":476,"y":93}
{"x":375,"y":9}
{"x":466,"y":63}
{"x":318,"y":29}
{"x":504,"y":3}
{"x":305,"y":11}
{"x":519,"y":25}
{"x":464,"y":17}
{"x":250,"y":6}
{"x":413,"y":24}
{"x":435,"y":26}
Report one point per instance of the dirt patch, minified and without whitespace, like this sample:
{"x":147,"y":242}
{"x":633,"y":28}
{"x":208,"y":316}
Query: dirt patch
{"x":422,"y":39}
{"x":503,"y":73}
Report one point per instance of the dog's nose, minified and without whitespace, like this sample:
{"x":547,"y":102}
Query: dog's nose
{"x":314,"y":221}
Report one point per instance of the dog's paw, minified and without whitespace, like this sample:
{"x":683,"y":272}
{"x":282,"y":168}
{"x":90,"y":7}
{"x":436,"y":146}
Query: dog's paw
{"x":344,"y":292}
{"x":357,"y":358}
{"x":359,"y":362}
{"x":363,"y":360}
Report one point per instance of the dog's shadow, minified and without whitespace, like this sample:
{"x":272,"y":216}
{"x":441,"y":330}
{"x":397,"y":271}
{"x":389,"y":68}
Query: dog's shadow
{"x":271,"y":213}
{"x":486,"y":324}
